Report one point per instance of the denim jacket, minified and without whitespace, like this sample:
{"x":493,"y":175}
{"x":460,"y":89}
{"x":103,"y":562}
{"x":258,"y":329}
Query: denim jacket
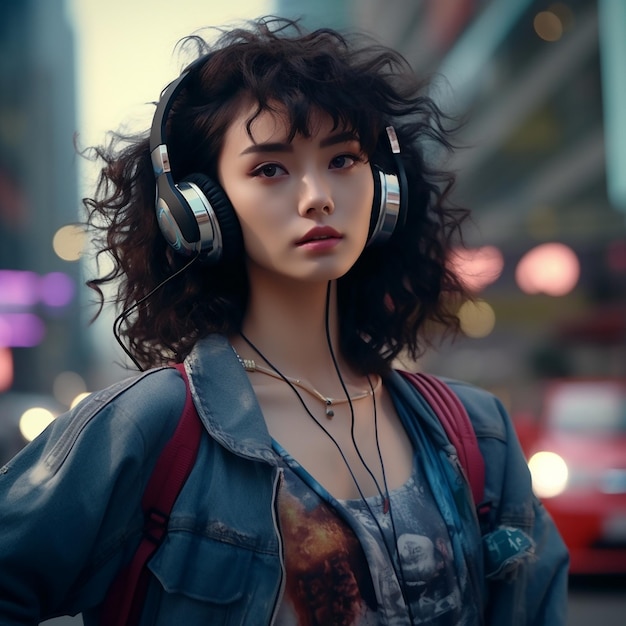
{"x":70,"y":506}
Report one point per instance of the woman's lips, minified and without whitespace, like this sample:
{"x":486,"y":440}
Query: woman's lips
{"x":320,"y":237}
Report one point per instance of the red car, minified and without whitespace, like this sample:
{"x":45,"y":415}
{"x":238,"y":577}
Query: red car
{"x":577,"y":459}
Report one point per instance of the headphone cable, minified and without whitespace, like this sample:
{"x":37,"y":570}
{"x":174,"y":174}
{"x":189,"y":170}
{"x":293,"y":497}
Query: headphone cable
{"x":387,"y":499}
{"x":384,"y":495}
{"x":123,"y":316}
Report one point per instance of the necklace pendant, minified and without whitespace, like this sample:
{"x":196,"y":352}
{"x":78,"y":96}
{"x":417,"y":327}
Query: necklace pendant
{"x":329,"y":411}
{"x":386,"y":505}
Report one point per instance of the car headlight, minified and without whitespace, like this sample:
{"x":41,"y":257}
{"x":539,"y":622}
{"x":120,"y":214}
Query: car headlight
{"x":549,"y":474}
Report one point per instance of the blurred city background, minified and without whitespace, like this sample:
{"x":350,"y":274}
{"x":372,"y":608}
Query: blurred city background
{"x":543,"y":169}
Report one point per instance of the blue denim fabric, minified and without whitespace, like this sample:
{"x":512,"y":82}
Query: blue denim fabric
{"x":70,"y":513}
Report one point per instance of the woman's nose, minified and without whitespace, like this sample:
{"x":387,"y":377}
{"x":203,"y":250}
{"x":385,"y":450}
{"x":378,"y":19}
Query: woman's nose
{"x":315,"y":195}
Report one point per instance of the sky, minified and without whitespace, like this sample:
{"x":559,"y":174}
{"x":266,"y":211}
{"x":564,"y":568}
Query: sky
{"x":125,"y":54}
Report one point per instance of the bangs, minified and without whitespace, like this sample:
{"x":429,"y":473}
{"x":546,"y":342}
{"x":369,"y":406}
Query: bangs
{"x":302,"y":116}
{"x":318,"y":77}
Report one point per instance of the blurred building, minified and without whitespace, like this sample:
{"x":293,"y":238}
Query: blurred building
{"x":543,"y":169}
{"x":40,"y":333}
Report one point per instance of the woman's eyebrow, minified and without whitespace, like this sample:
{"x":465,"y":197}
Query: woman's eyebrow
{"x":278,"y":146}
{"x":257,"y":148}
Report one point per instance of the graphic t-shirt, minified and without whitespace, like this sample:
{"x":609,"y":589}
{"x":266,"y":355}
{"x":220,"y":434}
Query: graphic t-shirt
{"x":352,"y":564}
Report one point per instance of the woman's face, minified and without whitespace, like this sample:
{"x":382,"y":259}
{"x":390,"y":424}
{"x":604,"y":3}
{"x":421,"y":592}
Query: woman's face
{"x":304,"y":206}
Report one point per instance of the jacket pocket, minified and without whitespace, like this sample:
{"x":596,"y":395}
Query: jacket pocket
{"x":223,"y":580}
{"x":202,"y":569}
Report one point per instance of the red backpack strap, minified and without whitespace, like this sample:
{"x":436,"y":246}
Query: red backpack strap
{"x":456,"y":422}
{"x":124,"y":601}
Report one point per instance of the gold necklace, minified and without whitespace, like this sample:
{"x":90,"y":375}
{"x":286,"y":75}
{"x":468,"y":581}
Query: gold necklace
{"x":251,"y":366}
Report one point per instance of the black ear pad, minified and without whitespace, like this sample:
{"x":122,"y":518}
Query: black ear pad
{"x":376,"y":204}
{"x":227,"y":241}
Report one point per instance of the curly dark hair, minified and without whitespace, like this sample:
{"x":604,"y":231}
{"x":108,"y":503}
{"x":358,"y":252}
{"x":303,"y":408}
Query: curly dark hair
{"x":388,"y":300}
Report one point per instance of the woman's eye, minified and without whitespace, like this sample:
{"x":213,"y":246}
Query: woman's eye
{"x":343,"y":161}
{"x":269,"y":170}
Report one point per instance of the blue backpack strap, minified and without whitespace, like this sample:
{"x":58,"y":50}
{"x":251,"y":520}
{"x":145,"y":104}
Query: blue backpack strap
{"x":125,"y":598}
{"x":456,"y":422}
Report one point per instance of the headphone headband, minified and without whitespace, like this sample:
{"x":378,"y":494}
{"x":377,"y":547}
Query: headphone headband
{"x":168,"y":194}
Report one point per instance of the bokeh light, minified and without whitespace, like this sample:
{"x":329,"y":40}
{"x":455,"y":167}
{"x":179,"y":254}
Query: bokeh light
{"x":68,"y":385}
{"x":6,"y":369}
{"x":21,"y":330}
{"x":24,"y":289}
{"x":477,"y":318}
{"x":551,"y":268}
{"x":69,"y":241}
{"x":549,"y":474}
{"x":79,"y":398}
{"x":56,"y":289}
{"x":478,"y":267}
{"x":34,"y":421}
{"x":18,"y":288}
{"x":548,"y":26}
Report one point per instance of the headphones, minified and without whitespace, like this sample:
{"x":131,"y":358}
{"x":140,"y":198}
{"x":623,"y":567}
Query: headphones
{"x":197,"y":218}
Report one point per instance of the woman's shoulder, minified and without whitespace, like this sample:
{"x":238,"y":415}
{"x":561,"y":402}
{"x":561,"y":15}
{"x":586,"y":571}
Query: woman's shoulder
{"x":116,"y":431}
{"x":152,"y":395}
{"x":138,"y":412}
{"x":148,"y":387}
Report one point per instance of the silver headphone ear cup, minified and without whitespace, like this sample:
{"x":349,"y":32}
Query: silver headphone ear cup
{"x":386,"y":207}
{"x":209,"y":242}
{"x":176,"y":215}
{"x":221,"y":239}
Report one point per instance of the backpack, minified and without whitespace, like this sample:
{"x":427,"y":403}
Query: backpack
{"x":125,"y":598}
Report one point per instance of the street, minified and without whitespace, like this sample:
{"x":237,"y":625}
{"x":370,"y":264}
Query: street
{"x":600,"y":601}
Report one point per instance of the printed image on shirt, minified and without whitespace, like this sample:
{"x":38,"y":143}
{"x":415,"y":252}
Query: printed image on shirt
{"x":423,"y":554}
{"x":427,"y":583}
{"x":328,"y":580}
{"x":343,"y":572}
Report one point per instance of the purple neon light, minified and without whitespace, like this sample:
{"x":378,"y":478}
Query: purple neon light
{"x":18,"y":288}
{"x":23,"y":289}
{"x":21,"y":330}
{"x":56,"y":289}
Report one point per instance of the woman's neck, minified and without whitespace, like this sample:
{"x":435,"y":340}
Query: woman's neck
{"x":289,"y":327}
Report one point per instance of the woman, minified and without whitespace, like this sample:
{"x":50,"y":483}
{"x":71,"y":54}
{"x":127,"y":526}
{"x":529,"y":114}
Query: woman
{"x":298,"y":246}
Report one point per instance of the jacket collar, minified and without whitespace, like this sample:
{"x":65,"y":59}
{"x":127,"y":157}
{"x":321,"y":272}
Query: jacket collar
{"x":229,"y":410}
{"x":225,"y":400}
